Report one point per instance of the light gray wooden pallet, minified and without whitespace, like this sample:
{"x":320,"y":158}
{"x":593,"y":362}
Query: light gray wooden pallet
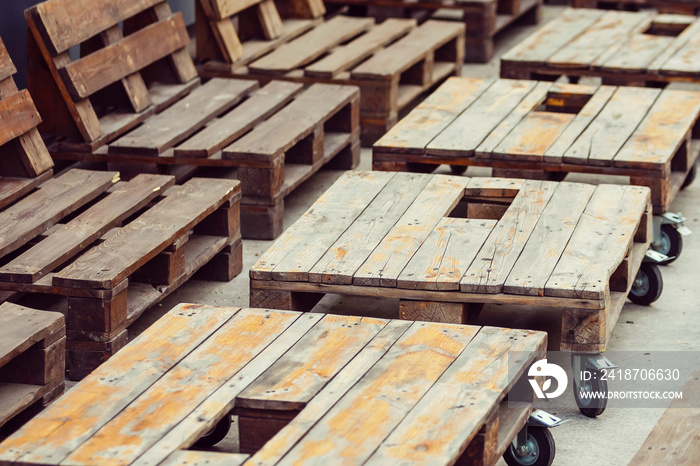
{"x":383,"y":390}
{"x":445,"y":245}
{"x":543,"y":130}
{"x":643,"y":48}
{"x":687,"y":7}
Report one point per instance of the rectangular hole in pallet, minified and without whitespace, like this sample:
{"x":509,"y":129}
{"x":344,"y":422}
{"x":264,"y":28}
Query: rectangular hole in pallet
{"x":558,"y":102}
{"x":679,"y":162}
{"x":485,"y":209}
{"x":658,"y":28}
{"x":307,"y":151}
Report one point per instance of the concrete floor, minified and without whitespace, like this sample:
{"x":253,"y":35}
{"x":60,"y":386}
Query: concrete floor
{"x":672,"y":323}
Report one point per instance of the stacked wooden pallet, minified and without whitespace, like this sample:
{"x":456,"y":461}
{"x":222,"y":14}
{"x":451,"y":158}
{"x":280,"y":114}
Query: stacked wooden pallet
{"x":644,"y":48}
{"x":32,"y":361}
{"x":444,"y":245}
{"x":483,"y":19}
{"x":392,"y":63}
{"x":687,"y":7}
{"x":134,"y":100}
{"x":532,"y":129}
{"x":384,"y":390}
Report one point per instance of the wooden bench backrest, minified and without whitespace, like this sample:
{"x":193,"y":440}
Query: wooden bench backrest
{"x":22,"y":152}
{"x":222,"y":25}
{"x":122,"y":45}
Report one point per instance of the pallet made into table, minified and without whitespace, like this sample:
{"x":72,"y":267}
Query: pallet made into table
{"x":392,"y":63}
{"x":367,"y":390}
{"x":112,"y":249}
{"x":545,"y":130}
{"x":32,"y":362}
{"x":483,"y":19}
{"x":622,"y":48}
{"x":687,"y":7}
{"x":444,"y":245}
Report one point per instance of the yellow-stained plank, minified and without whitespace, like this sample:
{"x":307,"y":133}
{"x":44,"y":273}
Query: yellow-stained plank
{"x":204,"y":458}
{"x":72,"y":419}
{"x":533,"y":136}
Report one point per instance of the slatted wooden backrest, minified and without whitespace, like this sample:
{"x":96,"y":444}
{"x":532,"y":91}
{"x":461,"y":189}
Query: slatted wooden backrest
{"x":222,"y":25}
{"x":22,"y":152}
{"x":125,"y":46}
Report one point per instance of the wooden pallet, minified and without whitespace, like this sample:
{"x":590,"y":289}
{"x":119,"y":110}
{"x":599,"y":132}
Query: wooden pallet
{"x":622,"y":48}
{"x":686,"y":7}
{"x":531,"y":129}
{"x":446,"y":245}
{"x":32,"y":362}
{"x":447,"y":383}
{"x":676,"y":437}
{"x":112,"y":249}
{"x":392,"y":63}
{"x":483,"y":19}
{"x":170,"y":121}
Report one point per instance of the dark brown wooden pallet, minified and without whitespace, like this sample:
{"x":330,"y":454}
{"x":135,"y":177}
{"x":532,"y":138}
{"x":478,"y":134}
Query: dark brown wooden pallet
{"x":32,"y":362}
{"x":543,"y":130}
{"x":483,"y":19}
{"x":113,"y":249}
{"x":447,"y":384}
{"x":392,"y":63}
{"x":622,"y":48}
{"x":444,"y":246}
{"x":685,"y":7}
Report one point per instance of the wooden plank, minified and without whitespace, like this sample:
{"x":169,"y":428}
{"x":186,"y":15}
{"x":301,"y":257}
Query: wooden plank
{"x":661,"y":132}
{"x":311,"y":45}
{"x":551,"y":37}
{"x":12,"y":189}
{"x":16,"y":397}
{"x":384,"y":265}
{"x":257,"y":107}
{"x":223,"y":9}
{"x":107,"y":264}
{"x":21,"y":327}
{"x":548,"y":240}
{"x":163,"y":131}
{"x":346,"y":56}
{"x":531,"y":138}
{"x":638,"y":53}
{"x":361,"y":419}
{"x":408,"y":51}
{"x":55,"y":199}
{"x":284,"y":129}
{"x":82,"y":231}
{"x":221,"y":402}
{"x":7,"y":68}
{"x":204,"y":458}
{"x":270,"y":20}
{"x":446,"y":254}
{"x":604,"y":137}
{"x":352,"y":248}
{"x":65,"y":23}
{"x":31,"y":149}
{"x":18,"y":115}
{"x":683,"y":38}
{"x":495,"y":260}
{"x":470,"y":128}
{"x":414,"y":132}
{"x":475,"y":382}
{"x":303,"y":371}
{"x":612,"y":28}
{"x":198,"y":375}
{"x":685,"y":60}
{"x":113,"y":386}
{"x":675,"y":438}
{"x":107,"y":65}
{"x":589,"y":112}
{"x":304,"y":243}
{"x":599,"y":242}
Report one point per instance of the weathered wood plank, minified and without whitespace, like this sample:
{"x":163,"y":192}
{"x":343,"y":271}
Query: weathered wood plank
{"x":7,"y":68}
{"x":204,"y":458}
{"x":385,"y":263}
{"x":18,"y":115}
{"x":495,"y":260}
{"x":531,"y":138}
{"x":21,"y":327}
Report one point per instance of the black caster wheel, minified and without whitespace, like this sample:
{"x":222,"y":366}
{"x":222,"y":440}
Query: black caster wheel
{"x":647,"y":286}
{"x":690,"y":177}
{"x":538,"y":451}
{"x":589,"y":405}
{"x":215,"y":435}
{"x":458,"y":169}
{"x":670,"y":243}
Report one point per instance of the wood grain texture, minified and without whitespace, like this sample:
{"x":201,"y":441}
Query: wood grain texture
{"x":18,"y":115}
{"x":21,"y":327}
{"x":204,"y":458}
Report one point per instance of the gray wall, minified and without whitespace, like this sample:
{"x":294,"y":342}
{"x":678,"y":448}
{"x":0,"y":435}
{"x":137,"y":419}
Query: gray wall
{"x":13,"y":30}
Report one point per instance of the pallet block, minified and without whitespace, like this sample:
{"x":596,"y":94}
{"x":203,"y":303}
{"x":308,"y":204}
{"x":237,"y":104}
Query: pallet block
{"x":623,"y":48}
{"x":443,"y":245}
{"x":483,"y":19}
{"x":543,"y":130}
{"x":32,"y":362}
{"x":447,"y":384}
{"x":684,"y":7}
{"x":392,"y":63}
